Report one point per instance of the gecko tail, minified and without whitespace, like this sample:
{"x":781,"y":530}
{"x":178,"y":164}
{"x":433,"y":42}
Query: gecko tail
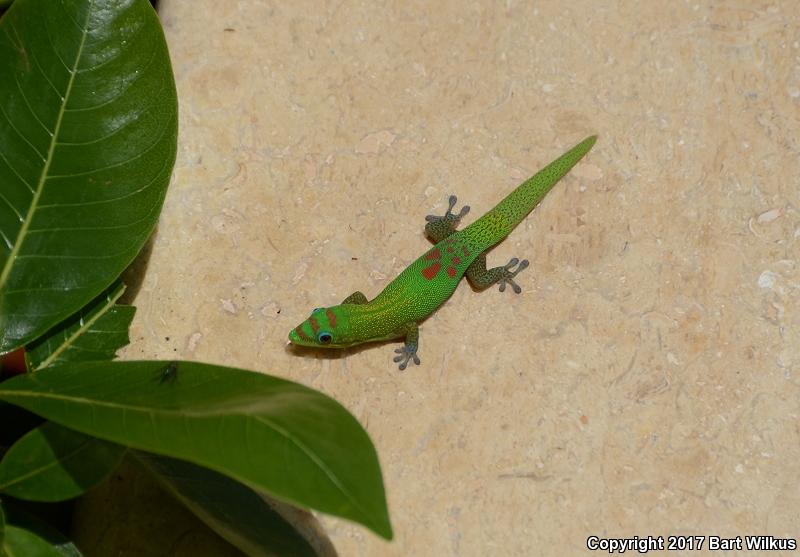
{"x":500,"y":221}
{"x":527,"y":196}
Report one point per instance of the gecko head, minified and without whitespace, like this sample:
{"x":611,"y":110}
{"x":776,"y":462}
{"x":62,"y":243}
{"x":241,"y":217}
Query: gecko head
{"x":325,"y":328}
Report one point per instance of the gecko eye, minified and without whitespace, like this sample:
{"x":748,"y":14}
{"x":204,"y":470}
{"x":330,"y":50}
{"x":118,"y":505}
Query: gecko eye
{"x":324,"y":337}
{"x":315,"y":310}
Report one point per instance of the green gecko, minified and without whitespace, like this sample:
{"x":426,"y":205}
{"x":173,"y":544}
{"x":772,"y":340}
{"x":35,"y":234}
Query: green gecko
{"x":429,"y":281}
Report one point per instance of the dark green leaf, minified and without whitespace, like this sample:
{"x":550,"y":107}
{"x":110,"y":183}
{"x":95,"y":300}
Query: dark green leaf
{"x":24,"y":543}
{"x":233,"y":510}
{"x":21,"y":518}
{"x":53,"y":463}
{"x":268,"y":433}
{"x":16,"y":422}
{"x":88,"y":129}
{"x":131,"y":514}
{"x":94,"y":333}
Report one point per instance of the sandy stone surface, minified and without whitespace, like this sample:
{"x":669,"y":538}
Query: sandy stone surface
{"x":647,"y":379}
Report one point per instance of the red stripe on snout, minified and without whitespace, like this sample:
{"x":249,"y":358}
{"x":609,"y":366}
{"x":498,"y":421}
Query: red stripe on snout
{"x":314,"y":324}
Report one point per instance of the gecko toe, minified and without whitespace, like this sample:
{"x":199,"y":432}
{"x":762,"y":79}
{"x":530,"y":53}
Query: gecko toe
{"x":449,"y":215}
{"x":406,"y":354}
{"x":508,"y":274}
{"x":452,"y":200}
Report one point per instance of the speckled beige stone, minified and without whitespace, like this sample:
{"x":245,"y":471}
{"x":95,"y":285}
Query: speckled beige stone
{"x":647,"y":379}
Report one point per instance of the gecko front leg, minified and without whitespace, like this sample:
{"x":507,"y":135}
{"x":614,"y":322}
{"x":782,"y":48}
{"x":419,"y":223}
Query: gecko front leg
{"x":409,"y":351}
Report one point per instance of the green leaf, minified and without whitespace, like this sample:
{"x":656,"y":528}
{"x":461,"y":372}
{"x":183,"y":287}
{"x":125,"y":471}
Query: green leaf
{"x":267,"y":433}
{"x":233,"y":510}
{"x":88,"y":131}
{"x":21,"y":542}
{"x":21,"y":518}
{"x":53,"y":463}
{"x":16,"y":422}
{"x":94,"y":333}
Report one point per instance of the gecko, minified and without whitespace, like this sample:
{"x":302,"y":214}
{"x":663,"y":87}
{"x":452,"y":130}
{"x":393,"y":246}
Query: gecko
{"x":429,"y":281}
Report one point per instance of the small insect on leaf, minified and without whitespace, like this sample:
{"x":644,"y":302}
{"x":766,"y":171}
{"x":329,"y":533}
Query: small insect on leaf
{"x":169,"y":373}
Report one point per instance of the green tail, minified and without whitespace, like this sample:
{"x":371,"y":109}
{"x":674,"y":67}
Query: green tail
{"x":522,"y":200}
{"x":500,"y":221}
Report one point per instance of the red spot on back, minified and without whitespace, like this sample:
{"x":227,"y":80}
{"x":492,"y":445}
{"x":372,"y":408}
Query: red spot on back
{"x":456,"y":260}
{"x":449,"y":249}
{"x":465,"y":251}
{"x":331,"y":317}
{"x":435,"y":254}
{"x":452,"y":272}
{"x":431,"y":271}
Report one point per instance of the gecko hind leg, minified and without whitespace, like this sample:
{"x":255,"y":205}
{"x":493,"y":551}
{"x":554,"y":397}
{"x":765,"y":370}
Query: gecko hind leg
{"x":481,"y":277}
{"x":440,"y":227}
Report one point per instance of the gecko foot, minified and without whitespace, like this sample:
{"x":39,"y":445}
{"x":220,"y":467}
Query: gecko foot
{"x":449,"y":215}
{"x":406,"y":353}
{"x":508,"y":274}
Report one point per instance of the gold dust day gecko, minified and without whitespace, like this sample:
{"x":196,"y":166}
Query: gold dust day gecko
{"x":429,"y":281}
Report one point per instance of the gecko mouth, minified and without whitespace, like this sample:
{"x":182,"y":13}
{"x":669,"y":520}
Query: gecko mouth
{"x":294,"y":338}
{"x":297,"y":340}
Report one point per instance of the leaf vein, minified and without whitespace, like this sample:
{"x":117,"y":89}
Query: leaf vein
{"x":55,"y":463}
{"x":46,"y":77}
{"x":28,"y":104}
{"x":7,"y":241}
{"x":315,"y":459}
{"x":3,"y":197}
{"x":55,"y":50}
{"x":40,"y":186}
{"x":116,"y":164}
{"x":120,"y":93}
{"x":17,"y":174}
{"x":19,"y":133}
{"x":69,"y":341}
